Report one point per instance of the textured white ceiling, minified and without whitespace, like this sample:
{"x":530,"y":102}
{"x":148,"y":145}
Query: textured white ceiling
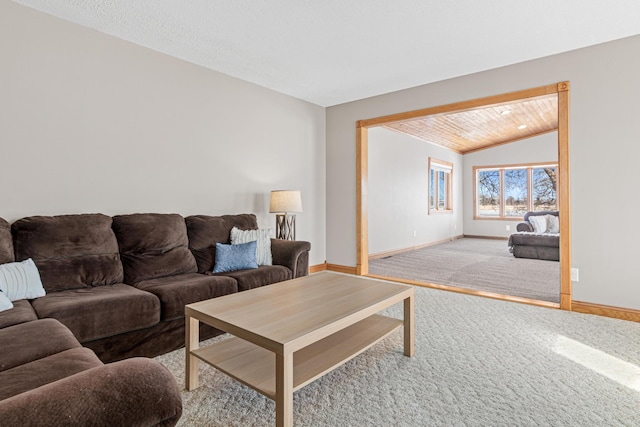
{"x":333,"y":51}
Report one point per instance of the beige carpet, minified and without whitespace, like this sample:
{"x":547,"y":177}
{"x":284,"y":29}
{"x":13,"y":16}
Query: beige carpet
{"x":481,"y":264}
{"x":479,"y":362}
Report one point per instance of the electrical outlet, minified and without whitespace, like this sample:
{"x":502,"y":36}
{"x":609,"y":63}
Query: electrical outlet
{"x":575,"y":277}
{"x":508,"y":228}
{"x":415,"y":233}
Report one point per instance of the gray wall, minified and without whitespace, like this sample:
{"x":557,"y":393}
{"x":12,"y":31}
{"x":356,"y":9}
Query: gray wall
{"x":604,"y":153}
{"x":91,"y":123}
{"x":398,"y":192}
{"x":543,"y":148}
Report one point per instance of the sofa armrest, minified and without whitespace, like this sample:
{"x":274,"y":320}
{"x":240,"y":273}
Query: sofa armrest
{"x":524,"y":226}
{"x":133,"y":392}
{"x":293,"y":254}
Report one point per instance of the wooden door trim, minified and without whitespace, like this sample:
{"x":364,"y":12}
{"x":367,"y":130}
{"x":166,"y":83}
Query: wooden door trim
{"x":564,"y":195}
{"x":562,"y":89}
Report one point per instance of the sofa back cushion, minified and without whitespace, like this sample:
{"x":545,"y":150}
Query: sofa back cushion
{"x":6,"y":243}
{"x":205,"y":231}
{"x":70,"y":251}
{"x":153,"y":246}
{"x":538,"y":213}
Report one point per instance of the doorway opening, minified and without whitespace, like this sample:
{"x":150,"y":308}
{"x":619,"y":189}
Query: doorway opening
{"x":559,"y":91}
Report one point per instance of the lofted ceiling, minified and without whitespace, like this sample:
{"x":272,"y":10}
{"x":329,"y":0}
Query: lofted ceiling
{"x":334,"y":51}
{"x":480,"y":128}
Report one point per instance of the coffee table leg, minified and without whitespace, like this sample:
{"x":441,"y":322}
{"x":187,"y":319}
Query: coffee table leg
{"x":284,"y":390}
{"x":192,"y":342}
{"x":409,"y":326}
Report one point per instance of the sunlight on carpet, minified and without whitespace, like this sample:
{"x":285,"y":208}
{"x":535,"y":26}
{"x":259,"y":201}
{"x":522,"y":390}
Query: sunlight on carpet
{"x":622,"y":372}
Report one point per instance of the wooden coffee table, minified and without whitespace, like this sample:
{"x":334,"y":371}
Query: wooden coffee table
{"x":289,"y":334}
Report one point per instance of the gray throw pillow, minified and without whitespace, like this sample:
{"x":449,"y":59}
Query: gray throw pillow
{"x":262,"y":237}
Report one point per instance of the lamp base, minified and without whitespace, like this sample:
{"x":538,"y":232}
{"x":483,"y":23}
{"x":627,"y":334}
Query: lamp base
{"x":285,"y":227}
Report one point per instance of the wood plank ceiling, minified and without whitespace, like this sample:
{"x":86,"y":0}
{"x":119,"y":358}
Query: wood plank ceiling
{"x":477,"y":129}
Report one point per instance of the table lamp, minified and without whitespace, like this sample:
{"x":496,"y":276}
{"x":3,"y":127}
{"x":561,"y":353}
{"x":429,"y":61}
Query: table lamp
{"x":283,"y":202}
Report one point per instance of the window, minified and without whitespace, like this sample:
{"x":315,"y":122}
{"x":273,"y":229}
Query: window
{"x":440,"y":183}
{"x":516,"y":187}
{"x":489,"y":191}
{"x":508,"y":192}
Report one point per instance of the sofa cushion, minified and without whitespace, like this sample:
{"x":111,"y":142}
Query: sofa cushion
{"x":537,"y":252}
{"x":205,"y":231}
{"x":6,"y":242}
{"x":99,"y":312}
{"x":44,"y":371}
{"x":31,"y":341}
{"x":531,"y":239}
{"x":71,"y":251}
{"x":529,"y":214}
{"x":254,"y":278}
{"x":20,"y":313}
{"x":175,"y":292}
{"x":152,"y":246}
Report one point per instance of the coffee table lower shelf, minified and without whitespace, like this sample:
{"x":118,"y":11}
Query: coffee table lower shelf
{"x":254,"y":366}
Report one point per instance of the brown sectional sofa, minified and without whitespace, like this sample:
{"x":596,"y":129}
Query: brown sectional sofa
{"x":116,"y":289}
{"x":48,"y":379}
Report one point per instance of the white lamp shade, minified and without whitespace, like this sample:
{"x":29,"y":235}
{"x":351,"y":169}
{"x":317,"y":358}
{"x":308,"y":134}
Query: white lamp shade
{"x":285,"y":201}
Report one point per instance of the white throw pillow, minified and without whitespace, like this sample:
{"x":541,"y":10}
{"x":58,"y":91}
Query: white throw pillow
{"x":553,"y":224}
{"x":21,"y":280}
{"x":5,"y":303}
{"x":539,"y":223}
{"x":262,"y":236}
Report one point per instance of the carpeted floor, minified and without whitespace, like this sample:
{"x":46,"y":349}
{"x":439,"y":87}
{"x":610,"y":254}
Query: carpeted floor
{"x":479,"y":362}
{"x":481,"y":264}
